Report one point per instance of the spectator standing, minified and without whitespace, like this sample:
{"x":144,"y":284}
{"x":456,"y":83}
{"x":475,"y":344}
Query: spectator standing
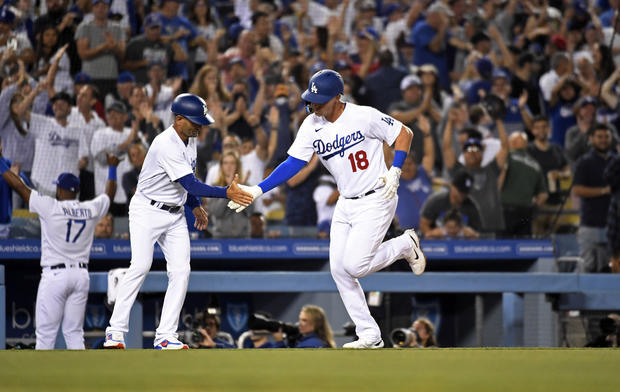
{"x":455,"y":197}
{"x":66,"y":23}
{"x":113,"y":139}
{"x":576,"y":142}
{"x":136,"y":154}
{"x":554,"y":166}
{"x":141,"y":110}
{"x":178,"y":28}
{"x":124,"y":84}
{"x":560,"y":67}
{"x":563,"y":98}
{"x":383,"y":85}
{"x":47,"y":47}
{"x":84,"y":117}
{"x":430,"y":40}
{"x":101,"y":46}
{"x":485,"y":190}
{"x":300,"y":209}
{"x":590,"y":185}
{"x":13,"y":46}
{"x":415,"y":102}
{"x":522,"y":189}
{"x":160,"y":93}
{"x":151,"y":47}
{"x":415,"y":180}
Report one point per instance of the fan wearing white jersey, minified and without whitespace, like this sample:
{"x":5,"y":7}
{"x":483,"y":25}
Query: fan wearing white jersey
{"x":67,"y":227}
{"x":349,"y":141}
{"x":165,"y":184}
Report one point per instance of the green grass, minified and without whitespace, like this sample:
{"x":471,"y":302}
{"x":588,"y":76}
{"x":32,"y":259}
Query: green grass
{"x":433,"y":370}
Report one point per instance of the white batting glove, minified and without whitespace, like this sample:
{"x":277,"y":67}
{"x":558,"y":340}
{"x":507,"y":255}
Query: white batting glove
{"x":391,"y":180}
{"x":255,"y":191}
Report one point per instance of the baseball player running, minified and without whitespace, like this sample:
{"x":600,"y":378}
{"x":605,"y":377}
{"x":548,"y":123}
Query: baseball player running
{"x":348,"y":139}
{"x":67,"y":227}
{"x":165,"y":184}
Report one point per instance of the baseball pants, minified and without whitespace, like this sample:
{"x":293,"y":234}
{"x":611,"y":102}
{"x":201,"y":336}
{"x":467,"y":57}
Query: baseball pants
{"x":61,"y":298}
{"x":147,"y":225}
{"x":357,"y":249}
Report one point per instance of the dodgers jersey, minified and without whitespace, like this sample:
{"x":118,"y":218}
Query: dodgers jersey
{"x":351,"y":147}
{"x":167,"y":160}
{"x":67,"y":227}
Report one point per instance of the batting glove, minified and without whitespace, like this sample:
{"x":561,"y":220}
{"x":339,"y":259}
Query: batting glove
{"x":255,"y":191}
{"x":391,"y":180}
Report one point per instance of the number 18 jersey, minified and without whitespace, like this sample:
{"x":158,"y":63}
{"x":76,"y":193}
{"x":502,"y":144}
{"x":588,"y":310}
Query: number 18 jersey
{"x":67,"y":227}
{"x":351,"y":147}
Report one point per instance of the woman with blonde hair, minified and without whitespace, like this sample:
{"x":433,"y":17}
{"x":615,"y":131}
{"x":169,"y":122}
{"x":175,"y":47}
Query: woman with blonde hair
{"x":425,"y":333}
{"x":209,"y":86}
{"x":226,"y":222}
{"x":314,"y":330}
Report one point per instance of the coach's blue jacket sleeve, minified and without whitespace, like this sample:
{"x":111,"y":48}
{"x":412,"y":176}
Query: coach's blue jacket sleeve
{"x":199,"y":189}
{"x":282,"y":173}
{"x":192,"y":201}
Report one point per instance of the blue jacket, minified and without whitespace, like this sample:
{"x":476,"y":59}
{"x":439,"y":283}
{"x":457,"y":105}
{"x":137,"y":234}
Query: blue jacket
{"x":310,"y":340}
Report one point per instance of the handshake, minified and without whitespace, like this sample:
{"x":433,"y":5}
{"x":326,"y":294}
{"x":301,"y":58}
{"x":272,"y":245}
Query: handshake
{"x":391,"y":181}
{"x":255,"y":191}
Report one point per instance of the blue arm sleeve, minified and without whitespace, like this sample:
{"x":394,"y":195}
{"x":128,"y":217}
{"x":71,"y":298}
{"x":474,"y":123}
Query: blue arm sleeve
{"x":282,"y":173}
{"x":199,"y":189}
{"x":192,"y":201}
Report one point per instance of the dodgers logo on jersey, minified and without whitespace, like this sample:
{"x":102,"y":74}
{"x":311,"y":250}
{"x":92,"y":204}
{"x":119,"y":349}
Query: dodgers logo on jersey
{"x":56,"y":140}
{"x":313,"y":88}
{"x":338,"y":146}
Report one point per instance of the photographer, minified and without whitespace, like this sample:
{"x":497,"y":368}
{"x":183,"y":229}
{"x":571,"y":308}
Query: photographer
{"x":421,"y":334}
{"x":208,"y":327}
{"x":313,"y":331}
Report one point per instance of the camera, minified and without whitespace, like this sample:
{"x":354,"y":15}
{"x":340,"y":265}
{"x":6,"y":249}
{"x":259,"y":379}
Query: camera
{"x":258,"y":321}
{"x":495,"y":106}
{"x":403,"y":337}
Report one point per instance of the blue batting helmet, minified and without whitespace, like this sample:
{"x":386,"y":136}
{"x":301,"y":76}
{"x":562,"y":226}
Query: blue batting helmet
{"x":193,"y":108}
{"x":323,"y":86}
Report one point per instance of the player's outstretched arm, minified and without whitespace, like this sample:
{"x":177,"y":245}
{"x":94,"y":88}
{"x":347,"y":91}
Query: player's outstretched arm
{"x":110,"y":186}
{"x":199,"y":189}
{"x":14,"y":181}
{"x":281,"y":174}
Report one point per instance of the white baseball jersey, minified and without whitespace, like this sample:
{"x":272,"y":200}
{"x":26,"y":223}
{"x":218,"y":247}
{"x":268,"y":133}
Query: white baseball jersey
{"x":351,"y":147}
{"x":107,"y":140}
{"x":167,"y":160}
{"x":87,"y":131}
{"x":56,"y":151}
{"x":67,"y":227}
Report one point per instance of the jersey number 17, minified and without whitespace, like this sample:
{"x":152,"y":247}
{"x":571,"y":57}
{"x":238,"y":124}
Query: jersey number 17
{"x":77,"y":222}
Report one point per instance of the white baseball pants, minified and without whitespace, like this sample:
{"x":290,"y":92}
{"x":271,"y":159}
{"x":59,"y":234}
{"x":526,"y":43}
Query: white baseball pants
{"x":61,"y":298}
{"x":147,"y":225}
{"x":357,"y":249}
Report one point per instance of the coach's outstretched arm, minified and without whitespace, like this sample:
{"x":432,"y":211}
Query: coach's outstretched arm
{"x":281,"y":174}
{"x":232,"y":192}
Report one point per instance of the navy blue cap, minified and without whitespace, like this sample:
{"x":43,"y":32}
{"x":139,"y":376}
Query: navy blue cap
{"x":126,"y":77}
{"x":82,"y":78}
{"x":500,"y":73}
{"x":68,"y":182}
{"x":6,"y":15}
{"x":484,"y":66}
{"x":102,"y":1}
{"x":152,"y":20}
{"x":472,"y":142}
{"x":584,"y":101}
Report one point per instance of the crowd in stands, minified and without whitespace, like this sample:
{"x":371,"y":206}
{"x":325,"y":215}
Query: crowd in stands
{"x":510,"y":102}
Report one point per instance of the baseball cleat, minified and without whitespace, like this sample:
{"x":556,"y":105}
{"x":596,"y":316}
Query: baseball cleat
{"x":361,"y":343}
{"x":171,"y":344}
{"x":416,"y":258}
{"x":114,"y":340}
